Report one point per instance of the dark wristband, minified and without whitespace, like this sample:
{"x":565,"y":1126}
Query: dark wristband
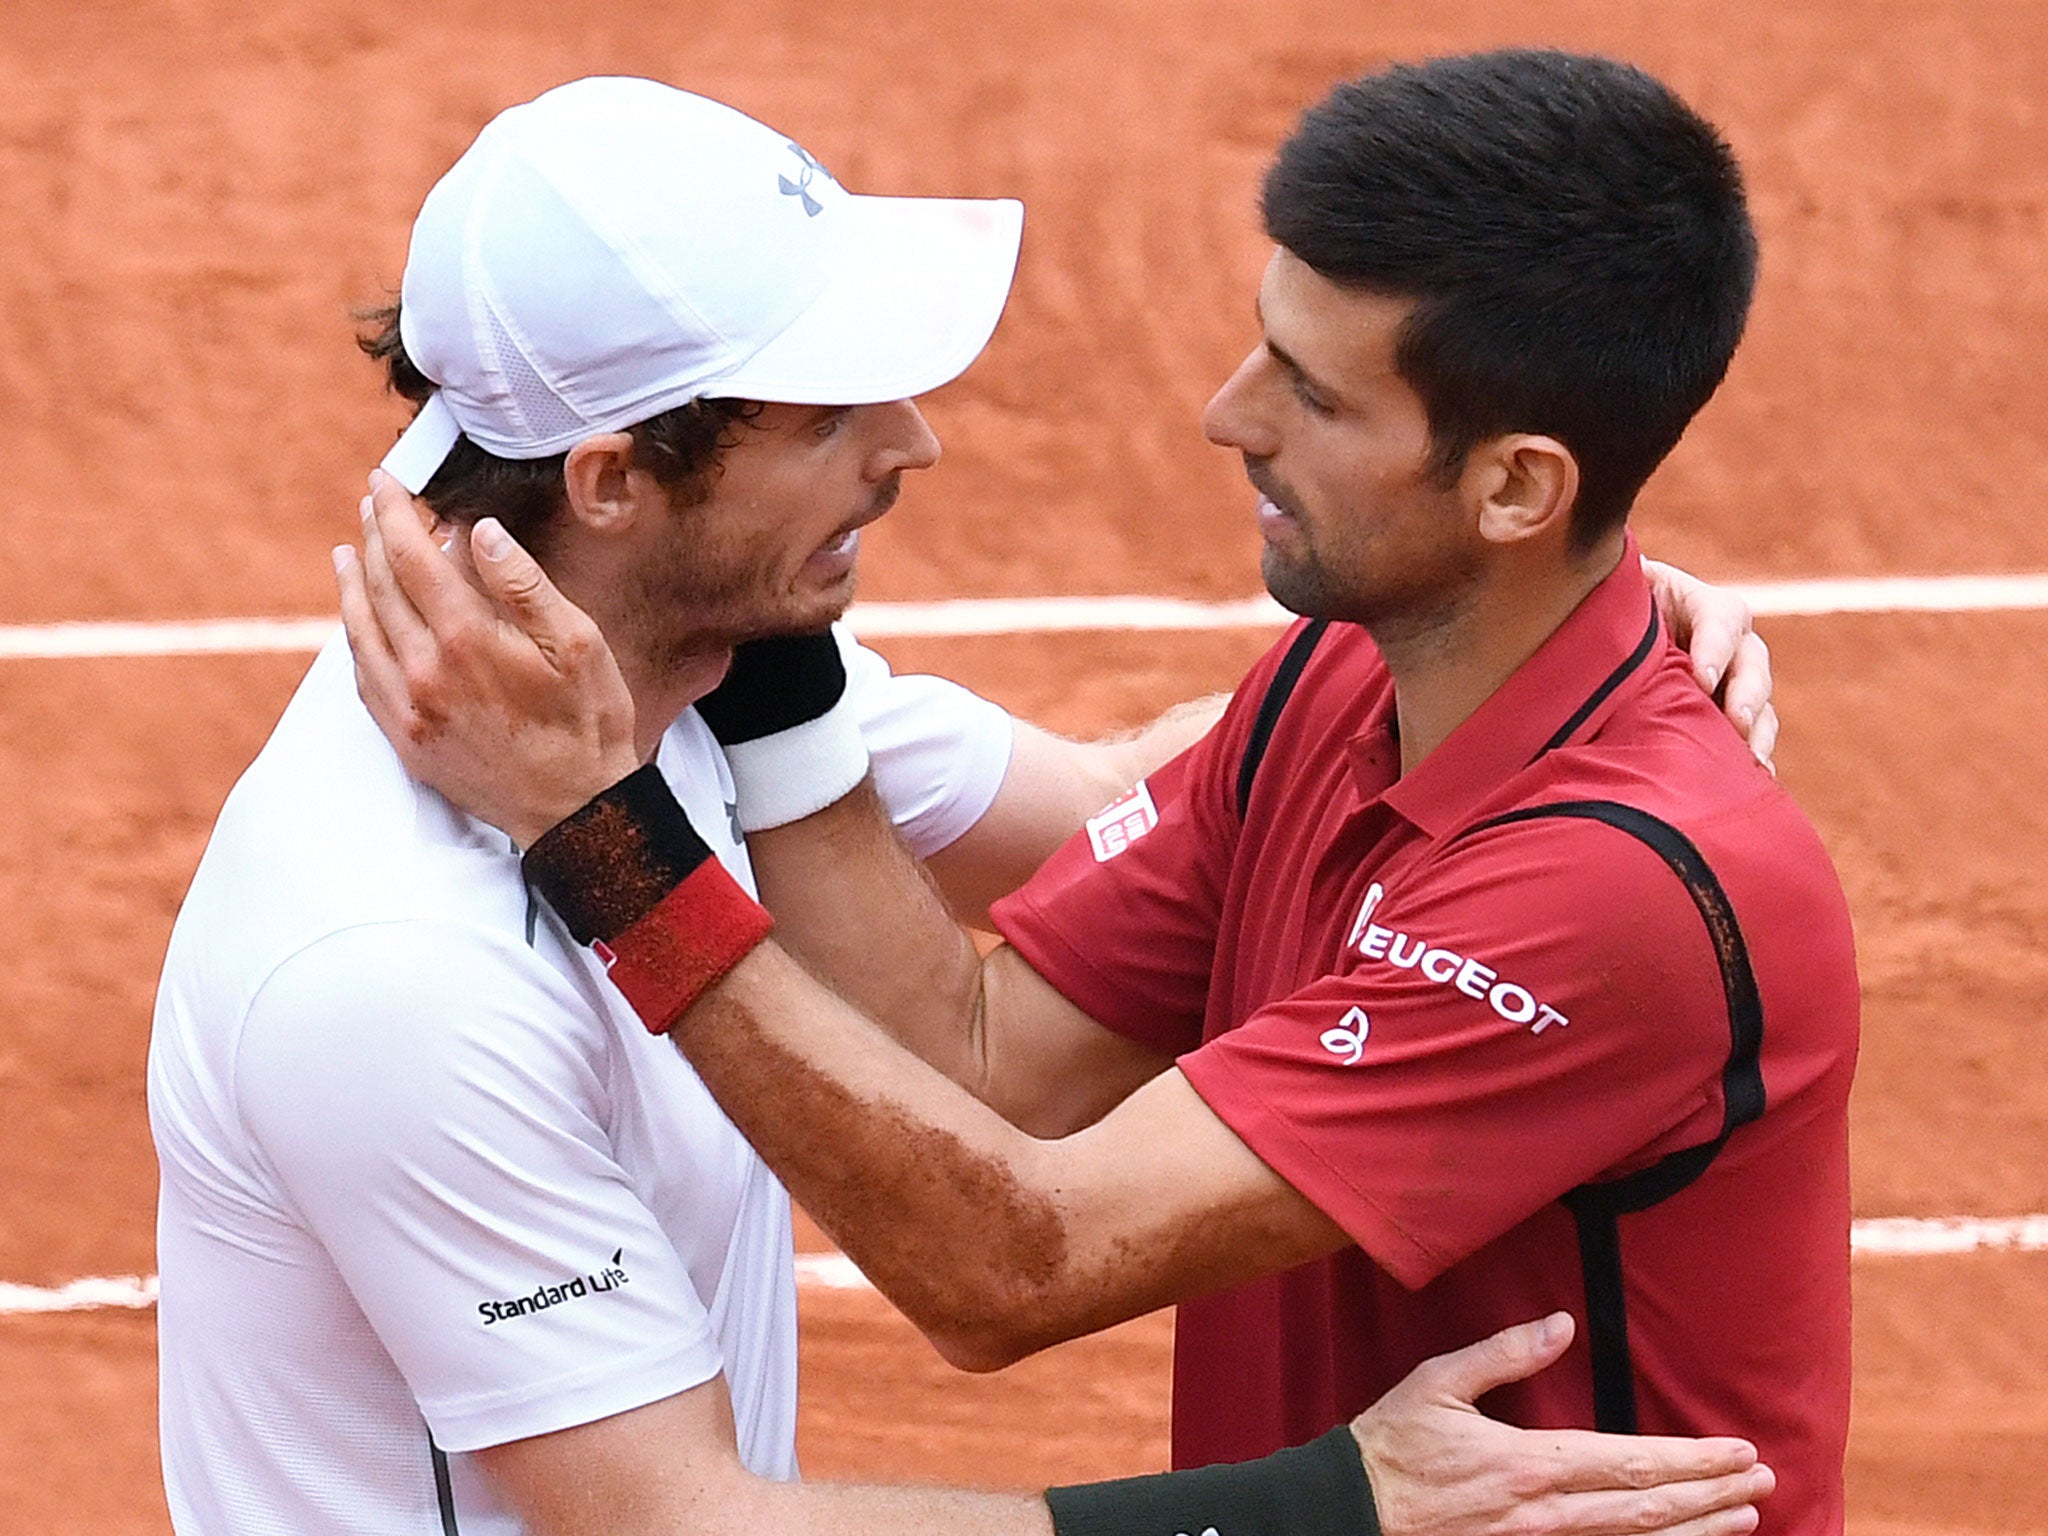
{"x":1318,"y":1489}
{"x":774,"y":684}
{"x":629,"y":875}
{"x":607,"y":866}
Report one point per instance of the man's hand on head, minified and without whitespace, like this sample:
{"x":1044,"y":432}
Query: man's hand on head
{"x":1439,"y":1467}
{"x":1729,"y":658}
{"x":505,"y":699}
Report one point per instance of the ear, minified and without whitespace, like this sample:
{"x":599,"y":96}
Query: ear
{"x":607,"y":494}
{"x":1524,"y":485}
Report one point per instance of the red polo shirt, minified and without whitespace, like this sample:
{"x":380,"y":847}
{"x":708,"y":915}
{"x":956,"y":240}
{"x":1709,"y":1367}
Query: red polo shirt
{"x":1564,"y":1018}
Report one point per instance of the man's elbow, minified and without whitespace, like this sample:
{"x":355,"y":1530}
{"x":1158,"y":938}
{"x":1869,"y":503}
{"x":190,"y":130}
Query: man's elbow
{"x":1007,"y":1278}
{"x":1004,"y":1306}
{"x":985,"y":1344}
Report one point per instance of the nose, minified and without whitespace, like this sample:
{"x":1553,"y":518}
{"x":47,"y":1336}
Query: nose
{"x":1232,"y":419}
{"x":905,"y":440}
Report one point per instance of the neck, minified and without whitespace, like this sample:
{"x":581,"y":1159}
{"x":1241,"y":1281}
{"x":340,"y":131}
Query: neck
{"x":662,"y":689}
{"x":665,"y":673}
{"x":1448,"y":664}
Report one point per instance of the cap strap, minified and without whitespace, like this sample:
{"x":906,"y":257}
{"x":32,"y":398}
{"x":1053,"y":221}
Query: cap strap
{"x":423,"y":446}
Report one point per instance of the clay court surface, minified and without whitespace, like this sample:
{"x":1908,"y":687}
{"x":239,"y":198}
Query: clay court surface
{"x":194,"y":193}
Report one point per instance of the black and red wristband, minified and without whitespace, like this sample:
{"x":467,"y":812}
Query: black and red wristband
{"x":629,"y":876}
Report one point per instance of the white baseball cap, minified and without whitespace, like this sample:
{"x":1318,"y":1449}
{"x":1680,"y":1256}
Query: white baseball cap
{"x":616,"y":248}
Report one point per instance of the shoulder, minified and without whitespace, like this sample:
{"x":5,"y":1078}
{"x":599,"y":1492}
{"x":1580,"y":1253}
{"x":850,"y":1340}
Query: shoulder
{"x":1315,"y":659}
{"x":1308,"y":688}
{"x":938,"y":750}
{"x":1308,"y":696}
{"x":1670,"y":772}
{"x":326,"y":835}
{"x":1628,"y":900}
{"x":415,"y":1016}
{"x":1595,"y":877}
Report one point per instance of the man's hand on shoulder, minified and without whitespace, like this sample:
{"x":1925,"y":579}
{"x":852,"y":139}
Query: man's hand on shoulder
{"x":1729,"y":658}
{"x":505,"y":699}
{"x":1439,"y":1467}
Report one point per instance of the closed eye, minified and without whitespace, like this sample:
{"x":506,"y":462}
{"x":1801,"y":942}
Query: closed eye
{"x":1305,"y":392}
{"x":1317,"y":400}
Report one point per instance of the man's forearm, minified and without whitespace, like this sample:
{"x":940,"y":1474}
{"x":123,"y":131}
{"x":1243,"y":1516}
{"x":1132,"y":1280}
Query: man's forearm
{"x":993,"y":1241}
{"x":930,"y":1193}
{"x":672,"y":1466}
{"x":864,"y":916}
{"x":853,"y":904}
{"x":845,"y":1509}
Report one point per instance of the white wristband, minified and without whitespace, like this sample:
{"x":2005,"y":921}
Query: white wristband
{"x":798,"y":772}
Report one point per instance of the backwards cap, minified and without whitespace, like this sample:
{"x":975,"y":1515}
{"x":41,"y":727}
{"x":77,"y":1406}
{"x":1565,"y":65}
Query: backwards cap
{"x":616,"y":248}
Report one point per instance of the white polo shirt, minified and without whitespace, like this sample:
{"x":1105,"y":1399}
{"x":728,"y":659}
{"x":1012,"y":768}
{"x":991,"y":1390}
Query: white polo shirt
{"x":427,"y":1185}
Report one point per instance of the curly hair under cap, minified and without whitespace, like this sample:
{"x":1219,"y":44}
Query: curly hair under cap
{"x":679,"y":447}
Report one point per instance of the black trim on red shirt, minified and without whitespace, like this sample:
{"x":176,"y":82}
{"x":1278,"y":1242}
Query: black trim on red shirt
{"x":1599,"y":696}
{"x":1278,"y":691}
{"x":1597,"y":1208}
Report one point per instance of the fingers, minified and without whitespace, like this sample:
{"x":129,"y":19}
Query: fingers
{"x":410,"y":640}
{"x":1710,"y":622}
{"x":1716,"y":1506}
{"x":1739,"y":1521}
{"x":380,"y":682}
{"x":561,"y":631}
{"x":1763,"y":737}
{"x":1748,"y":687}
{"x":431,"y":585}
{"x":1714,"y":639}
{"x":1729,"y":658}
{"x":1513,"y":1354}
{"x":1583,"y":1460}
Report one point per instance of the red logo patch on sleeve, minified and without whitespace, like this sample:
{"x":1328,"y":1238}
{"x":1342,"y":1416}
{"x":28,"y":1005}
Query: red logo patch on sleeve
{"x":1122,"y":822}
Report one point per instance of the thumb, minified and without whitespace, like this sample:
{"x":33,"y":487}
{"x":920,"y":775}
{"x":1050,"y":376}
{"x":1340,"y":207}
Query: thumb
{"x":515,"y":580}
{"x":390,"y":495}
{"x":1513,"y":1354}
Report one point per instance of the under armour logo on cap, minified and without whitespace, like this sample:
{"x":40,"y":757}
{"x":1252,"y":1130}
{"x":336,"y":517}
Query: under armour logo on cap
{"x":801,"y":187}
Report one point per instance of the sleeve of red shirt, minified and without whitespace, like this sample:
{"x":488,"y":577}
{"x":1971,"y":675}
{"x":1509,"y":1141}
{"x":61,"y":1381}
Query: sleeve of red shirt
{"x":1428,"y":1121}
{"x":1129,"y":939}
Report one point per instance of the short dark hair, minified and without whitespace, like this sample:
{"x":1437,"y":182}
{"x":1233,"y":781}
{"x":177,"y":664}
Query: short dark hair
{"x":1575,"y":236}
{"x":679,"y":447}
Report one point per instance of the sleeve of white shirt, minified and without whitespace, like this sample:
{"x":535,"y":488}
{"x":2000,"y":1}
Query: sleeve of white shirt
{"x":431,"y":1099}
{"x":937,"y":750}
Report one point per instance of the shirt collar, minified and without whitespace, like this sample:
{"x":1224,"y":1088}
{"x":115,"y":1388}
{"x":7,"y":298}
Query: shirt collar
{"x":1551,"y":698}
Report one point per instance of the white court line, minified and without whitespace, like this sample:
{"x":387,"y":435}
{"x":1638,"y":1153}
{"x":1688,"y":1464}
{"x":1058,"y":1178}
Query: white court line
{"x":1028,"y":615}
{"x":1912,"y":1236}
{"x":130,"y":1291}
{"x":1896,"y":594}
{"x":1888,"y":1237}
{"x":212,"y":637}
{"x":831,"y":1272}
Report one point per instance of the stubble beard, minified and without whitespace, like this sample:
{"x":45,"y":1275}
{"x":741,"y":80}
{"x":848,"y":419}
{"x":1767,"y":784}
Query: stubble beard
{"x":1393,"y":612}
{"x":699,"y":599}
{"x":689,"y":606}
{"x":1301,"y":583}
